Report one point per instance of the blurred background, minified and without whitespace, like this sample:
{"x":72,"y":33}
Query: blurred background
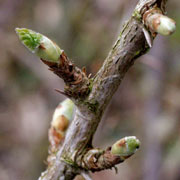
{"x":146,"y":105}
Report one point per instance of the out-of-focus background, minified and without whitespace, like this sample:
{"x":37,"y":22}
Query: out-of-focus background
{"x":146,"y":105}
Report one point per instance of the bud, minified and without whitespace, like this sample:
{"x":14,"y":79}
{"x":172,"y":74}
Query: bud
{"x":166,"y":26}
{"x":63,"y":115}
{"x":125,"y":146}
{"x":39,"y":44}
{"x":157,"y":22}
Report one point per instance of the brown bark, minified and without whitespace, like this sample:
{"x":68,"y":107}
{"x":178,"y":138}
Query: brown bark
{"x":71,"y":158}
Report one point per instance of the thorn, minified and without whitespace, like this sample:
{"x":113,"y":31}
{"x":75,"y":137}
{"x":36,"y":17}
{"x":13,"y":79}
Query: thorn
{"x":45,"y":162}
{"x":63,"y":57}
{"x":89,"y":76}
{"x":50,"y":69}
{"x":78,"y":81}
{"x":116,"y":169}
{"x":84,"y":70}
{"x":148,"y":37}
{"x":61,"y":92}
{"x":71,"y":66}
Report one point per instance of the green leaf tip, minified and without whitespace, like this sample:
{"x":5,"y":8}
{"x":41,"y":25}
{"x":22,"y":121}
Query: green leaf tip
{"x":39,"y":44}
{"x":29,"y":38}
{"x":126,"y":146}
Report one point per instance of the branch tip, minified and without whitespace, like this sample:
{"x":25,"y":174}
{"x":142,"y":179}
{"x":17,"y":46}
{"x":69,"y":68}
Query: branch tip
{"x":125,"y":146}
{"x":39,"y":44}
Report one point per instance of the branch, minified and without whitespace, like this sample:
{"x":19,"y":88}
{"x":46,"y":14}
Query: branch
{"x":92,"y":96}
{"x":97,"y":159}
{"x":77,"y":83}
{"x":130,"y":45}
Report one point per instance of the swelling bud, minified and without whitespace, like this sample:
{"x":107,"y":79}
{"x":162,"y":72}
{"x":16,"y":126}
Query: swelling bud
{"x":126,"y":146}
{"x":157,"y":22}
{"x":63,"y":115}
{"x":166,"y":26}
{"x":39,"y":44}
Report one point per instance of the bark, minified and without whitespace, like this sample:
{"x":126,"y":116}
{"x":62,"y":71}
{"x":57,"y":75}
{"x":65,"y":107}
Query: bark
{"x":95,"y":94}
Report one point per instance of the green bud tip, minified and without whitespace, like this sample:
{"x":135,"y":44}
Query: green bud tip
{"x":63,"y":114}
{"x":67,"y":108}
{"x":166,"y":26}
{"x":125,"y":146}
{"x":39,"y":44}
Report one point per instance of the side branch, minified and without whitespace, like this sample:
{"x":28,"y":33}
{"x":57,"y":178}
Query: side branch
{"x":92,"y":96}
{"x":76,"y":80}
{"x":97,"y":159}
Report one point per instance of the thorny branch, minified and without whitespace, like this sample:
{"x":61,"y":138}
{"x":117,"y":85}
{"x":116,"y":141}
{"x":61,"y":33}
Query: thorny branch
{"x":77,"y":83}
{"x":76,"y":154}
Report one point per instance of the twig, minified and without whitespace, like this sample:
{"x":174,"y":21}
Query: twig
{"x":92,"y":96}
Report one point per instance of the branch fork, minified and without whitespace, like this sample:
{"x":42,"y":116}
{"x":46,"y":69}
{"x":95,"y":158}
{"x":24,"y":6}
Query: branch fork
{"x":71,"y":151}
